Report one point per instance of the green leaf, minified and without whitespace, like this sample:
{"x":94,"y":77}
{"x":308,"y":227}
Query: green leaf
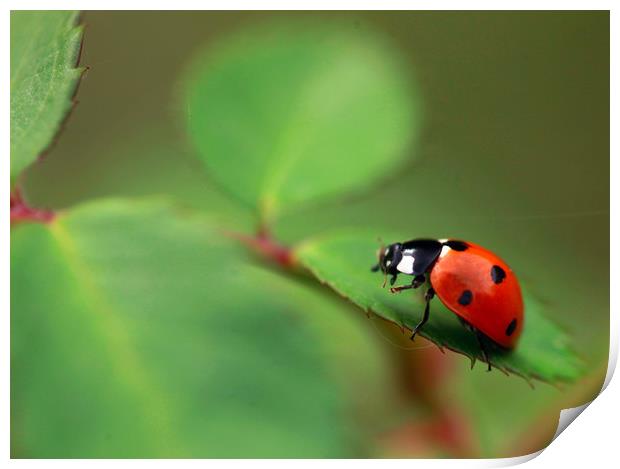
{"x":289,"y":113}
{"x":343,"y":262}
{"x":45,"y":47}
{"x":138,"y":331}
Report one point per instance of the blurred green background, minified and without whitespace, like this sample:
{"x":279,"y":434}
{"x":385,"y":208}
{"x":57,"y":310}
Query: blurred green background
{"x":514,"y":155}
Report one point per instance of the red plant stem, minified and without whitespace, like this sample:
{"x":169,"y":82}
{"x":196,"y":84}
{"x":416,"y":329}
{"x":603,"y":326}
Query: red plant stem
{"x":450,"y":427}
{"x":267,"y":247}
{"x":426,"y":372}
{"x":22,"y":212}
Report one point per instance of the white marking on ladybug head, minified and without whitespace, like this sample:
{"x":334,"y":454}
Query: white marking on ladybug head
{"x":406,"y":265}
{"x":444,"y":250}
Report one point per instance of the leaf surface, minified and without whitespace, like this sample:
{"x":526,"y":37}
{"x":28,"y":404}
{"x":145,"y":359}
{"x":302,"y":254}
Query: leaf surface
{"x":287,"y":114}
{"x":137,"y":331}
{"x":45,"y":47}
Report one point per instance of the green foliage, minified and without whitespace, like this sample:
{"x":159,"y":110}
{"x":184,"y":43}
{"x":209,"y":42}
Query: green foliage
{"x":284,"y":115}
{"x":140,"y":332}
{"x":45,"y":47}
{"x":343,"y":262}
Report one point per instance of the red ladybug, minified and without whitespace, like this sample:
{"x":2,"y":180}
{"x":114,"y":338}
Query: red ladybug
{"x":471,"y":281}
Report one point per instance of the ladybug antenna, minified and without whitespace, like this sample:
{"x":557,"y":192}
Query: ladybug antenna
{"x":380,"y":256}
{"x":380,"y":252}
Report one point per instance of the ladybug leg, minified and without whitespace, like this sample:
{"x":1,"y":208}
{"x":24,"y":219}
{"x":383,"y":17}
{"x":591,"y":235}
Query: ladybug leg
{"x":417,"y":281}
{"x":483,"y":349}
{"x":375,"y":268}
{"x":428,"y":296}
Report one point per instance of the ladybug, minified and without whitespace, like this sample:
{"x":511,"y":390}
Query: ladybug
{"x":470,"y":280}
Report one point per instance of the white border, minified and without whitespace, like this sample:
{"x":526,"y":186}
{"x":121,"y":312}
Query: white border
{"x":592,"y":441}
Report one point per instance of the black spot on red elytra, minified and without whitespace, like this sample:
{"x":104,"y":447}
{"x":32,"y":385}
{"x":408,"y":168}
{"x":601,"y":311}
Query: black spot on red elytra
{"x":466,"y":297}
{"x":511,"y":327}
{"x":456,"y":245}
{"x":497,"y":274}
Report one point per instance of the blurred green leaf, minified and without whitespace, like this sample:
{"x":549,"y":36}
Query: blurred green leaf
{"x":137,"y":331}
{"x":290,"y":113}
{"x":343,"y":262}
{"x":45,"y":47}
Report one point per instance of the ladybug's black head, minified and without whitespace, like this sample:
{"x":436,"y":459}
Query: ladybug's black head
{"x":389,"y":257}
